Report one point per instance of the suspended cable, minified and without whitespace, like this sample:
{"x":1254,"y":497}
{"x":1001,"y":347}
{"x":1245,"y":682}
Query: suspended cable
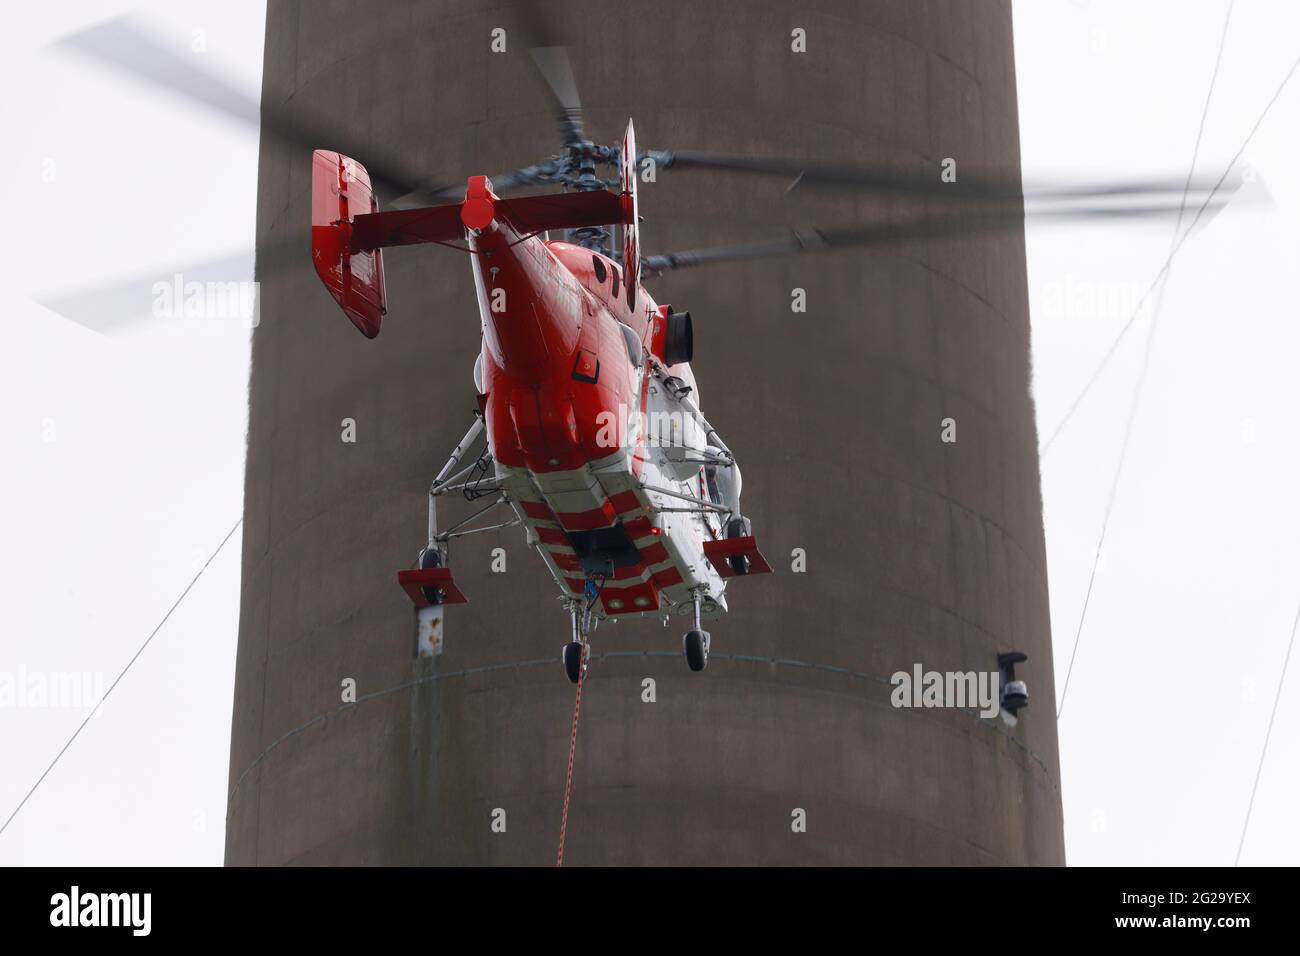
{"x":1136,"y":400}
{"x":1110,"y":352}
{"x":573,"y":747}
{"x":119,"y":677}
{"x":1267,"y":734}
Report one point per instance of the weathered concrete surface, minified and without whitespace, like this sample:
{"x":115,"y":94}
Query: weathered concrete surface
{"x":917,"y":551}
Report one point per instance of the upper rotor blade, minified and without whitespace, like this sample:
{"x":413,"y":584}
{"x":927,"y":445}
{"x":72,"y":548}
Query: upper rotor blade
{"x":119,"y":44}
{"x":553,"y":63}
{"x":545,"y":30}
{"x":877,"y":234}
{"x":527,"y":176}
{"x":556,"y":69}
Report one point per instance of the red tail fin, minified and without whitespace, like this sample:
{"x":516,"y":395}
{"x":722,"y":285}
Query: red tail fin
{"x":340,"y":188}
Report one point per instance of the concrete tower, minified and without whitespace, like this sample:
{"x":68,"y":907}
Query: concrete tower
{"x":917,"y":550}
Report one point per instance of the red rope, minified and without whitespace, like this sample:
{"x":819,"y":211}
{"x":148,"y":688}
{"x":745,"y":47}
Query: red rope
{"x":573,"y":746}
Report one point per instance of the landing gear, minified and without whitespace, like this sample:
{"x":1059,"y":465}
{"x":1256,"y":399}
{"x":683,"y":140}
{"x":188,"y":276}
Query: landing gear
{"x":739,"y":528}
{"x":695,"y":644}
{"x":573,"y":660}
{"x":431,"y":557}
{"x":580,"y":619}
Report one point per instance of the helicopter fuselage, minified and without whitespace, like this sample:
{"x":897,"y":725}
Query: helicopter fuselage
{"x":589,"y":437}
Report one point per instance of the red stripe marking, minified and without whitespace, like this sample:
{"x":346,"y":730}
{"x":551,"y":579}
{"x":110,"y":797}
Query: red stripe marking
{"x":601,"y":517}
{"x":655,"y":553}
{"x":537,"y":510}
{"x":667,"y":578}
{"x":625,"y":501}
{"x":638,"y":528}
{"x":552,"y":536}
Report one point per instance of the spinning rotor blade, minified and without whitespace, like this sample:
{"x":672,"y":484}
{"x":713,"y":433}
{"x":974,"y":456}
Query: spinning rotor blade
{"x":939,"y":227}
{"x":527,"y":176}
{"x":971,"y":184}
{"x":122,"y":46}
{"x":544,"y":33}
{"x":107,"y":308}
{"x":119,"y":44}
{"x":556,"y":69}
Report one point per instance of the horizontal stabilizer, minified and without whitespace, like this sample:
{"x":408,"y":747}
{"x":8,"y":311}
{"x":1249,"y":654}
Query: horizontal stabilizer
{"x":561,"y":211}
{"x":402,"y":227}
{"x":527,"y":214}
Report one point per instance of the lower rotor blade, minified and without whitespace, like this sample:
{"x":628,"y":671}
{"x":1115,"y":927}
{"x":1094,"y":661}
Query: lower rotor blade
{"x":947,"y":226}
{"x":971,"y":184}
{"x":161,"y":294}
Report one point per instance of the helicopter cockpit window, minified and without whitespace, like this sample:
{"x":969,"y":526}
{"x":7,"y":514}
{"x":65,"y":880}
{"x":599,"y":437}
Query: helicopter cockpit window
{"x":614,"y":271}
{"x":599,"y":268}
{"x":632,"y":342}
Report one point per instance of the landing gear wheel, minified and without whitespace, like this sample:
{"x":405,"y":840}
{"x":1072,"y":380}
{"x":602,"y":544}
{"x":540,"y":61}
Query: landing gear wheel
{"x":695,"y":645}
{"x":739,"y":528}
{"x":573,"y":660}
{"x":431,"y":558}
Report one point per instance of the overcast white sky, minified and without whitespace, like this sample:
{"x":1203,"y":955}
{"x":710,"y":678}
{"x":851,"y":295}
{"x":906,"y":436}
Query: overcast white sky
{"x":126,"y":453}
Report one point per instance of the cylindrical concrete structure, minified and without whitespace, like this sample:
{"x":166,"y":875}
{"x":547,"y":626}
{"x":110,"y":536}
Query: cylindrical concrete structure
{"x":916,"y":549}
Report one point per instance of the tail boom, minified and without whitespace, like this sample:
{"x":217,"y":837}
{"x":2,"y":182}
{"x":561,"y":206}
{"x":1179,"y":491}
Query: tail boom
{"x":349,"y":231}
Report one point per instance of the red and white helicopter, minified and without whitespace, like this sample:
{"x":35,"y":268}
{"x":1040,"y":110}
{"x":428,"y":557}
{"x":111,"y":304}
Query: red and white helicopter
{"x":594,"y":433}
{"x":595,"y":438}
